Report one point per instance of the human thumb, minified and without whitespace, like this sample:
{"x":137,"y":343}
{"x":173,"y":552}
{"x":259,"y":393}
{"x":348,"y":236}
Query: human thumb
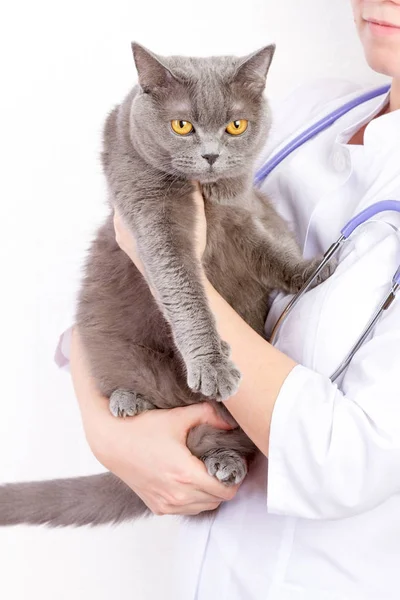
{"x":200,"y":414}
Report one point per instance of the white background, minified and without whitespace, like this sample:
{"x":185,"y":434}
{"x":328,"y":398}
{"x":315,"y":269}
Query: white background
{"x":63,"y":66}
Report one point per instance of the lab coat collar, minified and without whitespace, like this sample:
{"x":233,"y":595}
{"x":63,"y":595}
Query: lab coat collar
{"x":380,"y":131}
{"x":384,"y":131}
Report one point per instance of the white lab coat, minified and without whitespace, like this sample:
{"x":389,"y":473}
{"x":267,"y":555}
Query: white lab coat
{"x":327,"y":524}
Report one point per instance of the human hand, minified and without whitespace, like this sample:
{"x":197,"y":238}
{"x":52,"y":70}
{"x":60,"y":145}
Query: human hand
{"x":127,"y":243}
{"x":148,"y":452}
{"x":200,"y":234}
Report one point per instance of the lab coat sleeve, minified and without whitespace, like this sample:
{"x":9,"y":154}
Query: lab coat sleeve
{"x":332,"y":453}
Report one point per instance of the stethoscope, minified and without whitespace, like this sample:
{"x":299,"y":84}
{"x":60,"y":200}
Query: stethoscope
{"x":362,"y":217}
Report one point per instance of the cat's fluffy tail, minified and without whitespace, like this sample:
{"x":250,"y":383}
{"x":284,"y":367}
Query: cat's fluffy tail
{"x":92,"y":500}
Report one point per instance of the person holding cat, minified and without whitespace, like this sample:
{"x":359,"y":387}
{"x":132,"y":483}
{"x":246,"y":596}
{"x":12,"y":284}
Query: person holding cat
{"x":326,"y":526}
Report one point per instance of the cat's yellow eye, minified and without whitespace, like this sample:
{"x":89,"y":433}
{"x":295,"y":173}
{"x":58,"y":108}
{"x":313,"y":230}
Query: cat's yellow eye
{"x":237,"y":127}
{"x":182,"y":127}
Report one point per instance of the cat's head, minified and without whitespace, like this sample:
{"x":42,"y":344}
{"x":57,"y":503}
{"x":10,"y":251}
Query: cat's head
{"x":201,"y":118}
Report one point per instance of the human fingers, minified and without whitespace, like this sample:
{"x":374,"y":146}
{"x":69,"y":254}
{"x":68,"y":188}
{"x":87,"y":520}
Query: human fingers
{"x":187,"y":417}
{"x":197,"y":195}
{"x":206,"y":483}
{"x":195,"y":475}
{"x":126,"y":241}
{"x":200,"y":232}
{"x":164,"y":508}
{"x":195,"y":509}
{"x":122,"y":236}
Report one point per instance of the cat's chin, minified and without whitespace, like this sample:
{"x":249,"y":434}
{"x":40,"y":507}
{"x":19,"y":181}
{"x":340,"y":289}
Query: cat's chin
{"x":208,"y":178}
{"x":215,"y":176}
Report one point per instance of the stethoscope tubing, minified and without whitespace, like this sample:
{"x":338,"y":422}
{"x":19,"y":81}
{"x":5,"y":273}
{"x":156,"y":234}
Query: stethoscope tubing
{"x":328,"y":256}
{"x":314,"y":129}
{"x":373,"y":321}
{"x":347,"y":230}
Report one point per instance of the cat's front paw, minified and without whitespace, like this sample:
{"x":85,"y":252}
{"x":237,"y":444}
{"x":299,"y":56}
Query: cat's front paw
{"x":124,"y":403}
{"x":227,"y":466}
{"x":326,"y":272}
{"x":214,"y":376}
{"x":308,"y":268}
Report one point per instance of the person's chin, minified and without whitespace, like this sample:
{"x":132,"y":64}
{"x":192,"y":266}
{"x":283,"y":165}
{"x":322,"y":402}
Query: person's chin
{"x":381,"y":60}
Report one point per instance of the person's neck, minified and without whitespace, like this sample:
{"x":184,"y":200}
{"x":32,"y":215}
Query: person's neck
{"x":395,"y":95}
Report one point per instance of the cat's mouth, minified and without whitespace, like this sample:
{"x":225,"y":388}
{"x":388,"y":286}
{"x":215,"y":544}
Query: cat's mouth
{"x":206,"y":174}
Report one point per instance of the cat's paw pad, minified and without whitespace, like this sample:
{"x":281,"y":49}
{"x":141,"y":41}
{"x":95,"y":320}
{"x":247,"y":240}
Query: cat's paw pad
{"x":215,"y":377}
{"x":227,"y":466}
{"x":124,"y":403}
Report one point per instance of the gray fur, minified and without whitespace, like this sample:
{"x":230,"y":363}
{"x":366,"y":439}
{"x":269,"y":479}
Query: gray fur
{"x":145,"y":353}
{"x":64,"y":502}
{"x":124,"y":403}
{"x":226,"y":465}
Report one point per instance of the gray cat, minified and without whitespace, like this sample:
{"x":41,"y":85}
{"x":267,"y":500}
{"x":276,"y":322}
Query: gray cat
{"x":188,"y":119}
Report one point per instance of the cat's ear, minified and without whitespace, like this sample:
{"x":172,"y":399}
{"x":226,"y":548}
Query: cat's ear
{"x":153,"y":74}
{"x":253,"y":69}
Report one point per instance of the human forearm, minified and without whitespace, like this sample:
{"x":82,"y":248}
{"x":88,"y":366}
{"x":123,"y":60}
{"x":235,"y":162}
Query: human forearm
{"x":264,"y":369}
{"x":163,"y":473}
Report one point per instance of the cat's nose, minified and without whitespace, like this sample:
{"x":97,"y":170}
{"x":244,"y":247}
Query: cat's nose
{"x":210,"y":158}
